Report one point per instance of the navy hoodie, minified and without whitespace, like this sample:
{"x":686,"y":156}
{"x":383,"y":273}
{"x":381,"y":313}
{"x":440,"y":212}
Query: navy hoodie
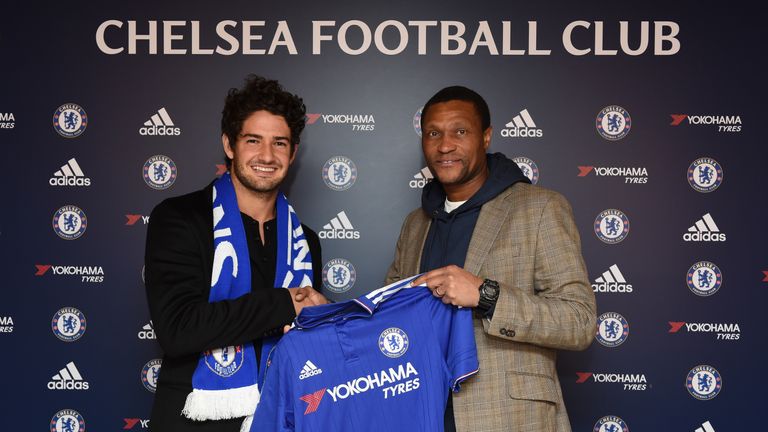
{"x":449,"y":234}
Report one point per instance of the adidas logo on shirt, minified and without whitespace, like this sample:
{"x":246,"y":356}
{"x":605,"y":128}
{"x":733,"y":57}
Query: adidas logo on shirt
{"x":159,"y":124}
{"x":706,"y":427}
{"x":70,"y":174}
{"x":309,"y":370}
{"x":339,"y":228}
{"x":421,"y":178}
{"x":705,"y":229}
{"x":522,"y":126}
{"x":612,"y":281}
{"x":68,"y":378}
{"x":147,"y":332}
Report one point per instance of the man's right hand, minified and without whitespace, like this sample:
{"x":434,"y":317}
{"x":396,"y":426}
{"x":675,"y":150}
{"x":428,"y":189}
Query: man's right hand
{"x":305,"y":296}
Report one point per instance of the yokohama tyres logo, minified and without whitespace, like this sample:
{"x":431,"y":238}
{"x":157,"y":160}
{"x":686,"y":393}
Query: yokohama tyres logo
{"x":313,"y":400}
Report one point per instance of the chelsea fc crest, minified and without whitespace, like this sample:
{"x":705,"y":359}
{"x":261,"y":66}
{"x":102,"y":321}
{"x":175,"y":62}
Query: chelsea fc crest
{"x":393,"y":342}
{"x":339,"y":173}
{"x":67,"y":420}
{"x":225,"y":361}
{"x":613,"y":123}
{"x":150,"y":373}
{"x":69,"y":222}
{"x":612,"y":329}
{"x":70,"y":120}
{"x":68,"y":324}
{"x":610,"y":424}
{"x":529,"y":168}
{"x":611,"y":226}
{"x":417,"y":121}
{"x":705,"y":175}
{"x":159,"y":172}
{"x":704,"y":382}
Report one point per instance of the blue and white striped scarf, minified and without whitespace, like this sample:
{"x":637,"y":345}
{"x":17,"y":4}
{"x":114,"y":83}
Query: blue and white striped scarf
{"x":226,"y":381}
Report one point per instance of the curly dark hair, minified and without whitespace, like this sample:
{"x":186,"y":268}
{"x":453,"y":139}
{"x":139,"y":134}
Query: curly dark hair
{"x":258,"y":94}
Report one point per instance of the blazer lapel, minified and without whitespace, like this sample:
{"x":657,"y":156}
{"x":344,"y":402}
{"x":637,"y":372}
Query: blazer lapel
{"x":492,"y":216}
{"x":421,"y":228}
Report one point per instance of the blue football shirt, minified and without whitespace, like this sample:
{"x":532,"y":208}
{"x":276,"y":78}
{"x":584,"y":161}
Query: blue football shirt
{"x":380,"y":362}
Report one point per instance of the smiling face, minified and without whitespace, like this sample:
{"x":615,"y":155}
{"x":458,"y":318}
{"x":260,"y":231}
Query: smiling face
{"x":262,"y":153}
{"x":454,"y":146}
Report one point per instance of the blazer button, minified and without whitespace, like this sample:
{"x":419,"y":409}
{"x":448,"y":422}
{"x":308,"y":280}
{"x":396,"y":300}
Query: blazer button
{"x":503,"y":331}
{"x":511,"y":333}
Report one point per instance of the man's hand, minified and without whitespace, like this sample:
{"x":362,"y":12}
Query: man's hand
{"x":453,"y":285}
{"x":305,"y":296}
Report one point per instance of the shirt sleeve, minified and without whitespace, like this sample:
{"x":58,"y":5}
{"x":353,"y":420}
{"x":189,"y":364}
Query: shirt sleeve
{"x":274,"y":413}
{"x":454,"y":331}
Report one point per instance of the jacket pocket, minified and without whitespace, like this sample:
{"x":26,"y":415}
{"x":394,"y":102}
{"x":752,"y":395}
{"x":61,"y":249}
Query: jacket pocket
{"x":533,"y":387}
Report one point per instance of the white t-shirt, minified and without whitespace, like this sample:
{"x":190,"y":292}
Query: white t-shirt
{"x":452,"y":205}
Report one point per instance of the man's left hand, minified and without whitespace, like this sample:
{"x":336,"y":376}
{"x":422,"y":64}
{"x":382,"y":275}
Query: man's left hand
{"x":453,"y":285}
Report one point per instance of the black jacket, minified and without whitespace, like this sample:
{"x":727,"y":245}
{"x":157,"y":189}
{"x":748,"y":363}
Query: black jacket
{"x":178,"y":266}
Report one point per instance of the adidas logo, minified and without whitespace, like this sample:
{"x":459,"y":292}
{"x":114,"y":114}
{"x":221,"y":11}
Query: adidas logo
{"x":309,"y":370}
{"x":612,"y":281}
{"x":421,"y":178}
{"x":339,"y":228}
{"x":522,"y":126}
{"x":159,"y":124}
{"x":68,"y":378}
{"x":70,"y":174}
{"x":706,"y":427}
{"x":147,"y":332}
{"x":705,"y":229}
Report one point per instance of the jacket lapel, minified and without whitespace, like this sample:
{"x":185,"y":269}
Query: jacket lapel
{"x":492,"y":216}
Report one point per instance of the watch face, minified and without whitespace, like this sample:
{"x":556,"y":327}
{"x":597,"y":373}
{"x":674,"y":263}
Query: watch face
{"x":490,"y":291}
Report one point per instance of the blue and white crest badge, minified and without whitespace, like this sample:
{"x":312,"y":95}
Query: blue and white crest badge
{"x":704,"y":382}
{"x":610,"y":424}
{"x":159,"y":172}
{"x":613,"y":123}
{"x":612,"y":226}
{"x":225,"y":361}
{"x":150,"y":373}
{"x":393,"y":342}
{"x":69,"y":222}
{"x":339,"y":275}
{"x":612,"y":329}
{"x":705,"y":175}
{"x":339,"y":173}
{"x":704,"y":278}
{"x":417,"y":121}
{"x":70,"y":120}
{"x":68,"y":324}
{"x":529,"y":168}
{"x":67,"y":420}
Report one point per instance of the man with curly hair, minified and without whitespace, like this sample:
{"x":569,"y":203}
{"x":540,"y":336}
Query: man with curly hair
{"x":213,"y":260}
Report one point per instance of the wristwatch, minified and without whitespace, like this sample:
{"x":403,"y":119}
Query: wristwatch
{"x":489,"y":294}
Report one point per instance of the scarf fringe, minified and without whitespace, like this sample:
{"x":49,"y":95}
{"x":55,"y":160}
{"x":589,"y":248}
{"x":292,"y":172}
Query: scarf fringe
{"x":221,"y":404}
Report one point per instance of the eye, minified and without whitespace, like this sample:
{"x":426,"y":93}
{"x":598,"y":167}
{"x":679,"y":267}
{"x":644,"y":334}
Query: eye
{"x":461,"y":131}
{"x":432,"y":134}
{"x":281,"y":143}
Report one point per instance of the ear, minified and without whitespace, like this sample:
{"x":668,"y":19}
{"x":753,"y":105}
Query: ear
{"x":228,"y":150}
{"x":293,"y":153}
{"x":487,"y":137}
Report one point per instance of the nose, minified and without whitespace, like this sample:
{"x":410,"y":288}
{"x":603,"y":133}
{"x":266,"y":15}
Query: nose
{"x":446,"y":144}
{"x":266,"y":153}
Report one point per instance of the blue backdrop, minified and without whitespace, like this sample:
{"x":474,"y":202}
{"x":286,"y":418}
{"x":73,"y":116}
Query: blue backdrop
{"x":86,"y":106}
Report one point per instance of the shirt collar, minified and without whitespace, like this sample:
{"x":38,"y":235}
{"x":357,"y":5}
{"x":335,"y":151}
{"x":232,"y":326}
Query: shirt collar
{"x":362,"y":306}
